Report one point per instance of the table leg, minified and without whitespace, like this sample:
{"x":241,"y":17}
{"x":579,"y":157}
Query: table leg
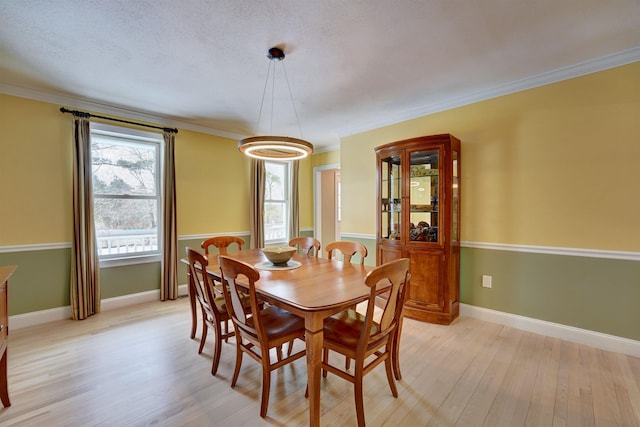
{"x":313,"y":342}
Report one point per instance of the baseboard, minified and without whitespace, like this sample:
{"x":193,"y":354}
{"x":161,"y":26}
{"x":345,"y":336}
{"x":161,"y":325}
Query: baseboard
{"x":556,"y":330}
{"x":19,"y":321}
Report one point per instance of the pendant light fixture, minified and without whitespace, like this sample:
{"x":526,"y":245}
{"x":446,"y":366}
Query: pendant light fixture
{"x":276,"y":147}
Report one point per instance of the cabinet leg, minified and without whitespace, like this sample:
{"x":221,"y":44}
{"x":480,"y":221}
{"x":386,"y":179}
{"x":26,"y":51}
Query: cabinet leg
{"x":4,"y":387}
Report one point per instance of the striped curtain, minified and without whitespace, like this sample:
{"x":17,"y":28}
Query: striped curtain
{"x":294,"y":220}
{"x":256,"y":205}
{"x":169,"y":285}
{"x":85,"y":267}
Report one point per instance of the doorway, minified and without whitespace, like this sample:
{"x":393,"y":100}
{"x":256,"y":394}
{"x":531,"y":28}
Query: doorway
{"x":327,"y":215}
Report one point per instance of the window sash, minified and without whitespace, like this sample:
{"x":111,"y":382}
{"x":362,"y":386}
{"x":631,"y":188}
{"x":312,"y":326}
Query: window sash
{"x":133,"y":242}
{"x":277,"y":232}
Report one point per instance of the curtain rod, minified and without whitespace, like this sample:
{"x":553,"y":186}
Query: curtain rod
{"x":77,"y":113}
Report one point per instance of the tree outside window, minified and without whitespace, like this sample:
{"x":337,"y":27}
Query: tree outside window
{"x":126,"y":192}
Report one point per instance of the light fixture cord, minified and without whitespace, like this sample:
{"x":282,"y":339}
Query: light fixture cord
{"x":295,"y":110}
{"x":264,"y":91}
{"x":273,"y":88}
{"x":273,"y":97}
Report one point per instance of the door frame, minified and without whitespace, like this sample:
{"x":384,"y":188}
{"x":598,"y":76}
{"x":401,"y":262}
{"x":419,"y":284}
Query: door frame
{"x":317,"y":195}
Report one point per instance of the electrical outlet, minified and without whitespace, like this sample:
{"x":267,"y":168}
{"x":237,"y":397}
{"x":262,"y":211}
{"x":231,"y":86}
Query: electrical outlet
{"x":486,"y":281}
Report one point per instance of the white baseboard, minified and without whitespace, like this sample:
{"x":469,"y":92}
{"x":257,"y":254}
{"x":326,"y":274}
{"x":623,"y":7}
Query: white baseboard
{"x":62,"y":313}
{"x":556,"y":330}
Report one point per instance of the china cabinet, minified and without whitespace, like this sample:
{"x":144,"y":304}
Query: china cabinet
{"x":418,"y":217}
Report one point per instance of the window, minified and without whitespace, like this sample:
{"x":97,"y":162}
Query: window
{"x":276,"y":203}
{"x":126,"y":191}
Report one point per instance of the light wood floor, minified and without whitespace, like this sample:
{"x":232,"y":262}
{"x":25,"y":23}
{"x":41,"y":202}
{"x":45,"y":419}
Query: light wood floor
{"x":137,"y":367}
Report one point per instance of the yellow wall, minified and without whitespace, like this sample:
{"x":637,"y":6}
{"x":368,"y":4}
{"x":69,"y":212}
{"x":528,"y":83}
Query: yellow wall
{"x":35,"y":166}
{"x":326,"y":158}
{"x":36,"y":158}
{"x":551,"y":166}
{"x":212,"y":185}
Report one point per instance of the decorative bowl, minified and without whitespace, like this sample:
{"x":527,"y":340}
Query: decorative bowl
{"x":279,"y":255}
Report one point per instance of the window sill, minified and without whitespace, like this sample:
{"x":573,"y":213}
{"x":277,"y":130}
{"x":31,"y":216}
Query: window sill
{"x":130,"y":260}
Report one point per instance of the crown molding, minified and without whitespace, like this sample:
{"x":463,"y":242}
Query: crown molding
{"x":97,"y":107}
{"x":587,"y":67}
{"x":580,"y":69}
{"x":326,"y":149}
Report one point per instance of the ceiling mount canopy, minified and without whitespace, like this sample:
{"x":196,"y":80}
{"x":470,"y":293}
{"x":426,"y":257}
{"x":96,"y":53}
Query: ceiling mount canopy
{"x":276,"y":147}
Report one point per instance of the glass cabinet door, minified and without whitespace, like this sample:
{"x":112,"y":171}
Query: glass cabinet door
{"x":391,"y":197}
{"x":424,"y":196}
{"x":455,"y":208}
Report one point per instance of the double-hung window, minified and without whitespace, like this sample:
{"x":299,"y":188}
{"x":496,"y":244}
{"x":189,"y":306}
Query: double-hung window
{"x":277,"y":202}
{"x":126,"y":167}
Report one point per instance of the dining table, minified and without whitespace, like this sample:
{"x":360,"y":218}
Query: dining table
{"x":311,"y":287}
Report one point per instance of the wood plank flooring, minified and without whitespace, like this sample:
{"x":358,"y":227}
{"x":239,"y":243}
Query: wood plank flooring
{"x":136,"y":366}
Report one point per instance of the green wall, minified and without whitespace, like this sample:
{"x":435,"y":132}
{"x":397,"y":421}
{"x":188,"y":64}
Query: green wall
{"x":598,"y":294}
{"x":41,"y":281}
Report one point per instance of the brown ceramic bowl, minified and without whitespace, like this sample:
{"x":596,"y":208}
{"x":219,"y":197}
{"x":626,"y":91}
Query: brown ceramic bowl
{"x":279,"y":255}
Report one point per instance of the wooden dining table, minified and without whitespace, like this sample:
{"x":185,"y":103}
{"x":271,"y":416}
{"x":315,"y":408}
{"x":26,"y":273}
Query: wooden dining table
{"x":315,"y":290}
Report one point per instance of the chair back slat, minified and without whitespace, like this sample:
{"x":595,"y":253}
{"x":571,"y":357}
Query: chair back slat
{"x":348,"y":249}
{"x":201,"y":281}
{"x":306,"y":245}
{"x":233,"y":269}
{"x":222,"y":243}
{"x":395,"y":274}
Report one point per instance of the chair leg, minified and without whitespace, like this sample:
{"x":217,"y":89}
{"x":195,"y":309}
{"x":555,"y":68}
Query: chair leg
{"x":217,"y":350}
{"x":347,"y":363}
{"x":358,"y":395}
{"x":239,"y":352}
{"x":266,"y":387}
{"x":203,"y":338}
{"x":390,"y":378}
{"x":325,"y":359}
{"x":192,"y":306}
{"x":396,"y":352}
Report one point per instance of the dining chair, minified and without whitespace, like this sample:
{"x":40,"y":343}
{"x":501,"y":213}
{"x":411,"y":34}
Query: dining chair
{"x":306,"y":244}
{"x":348,"y":250}
{"x":257,"y":328}
{"x":357,"y":336}
{"x":214,"y":311}
{"x":222,"y":243}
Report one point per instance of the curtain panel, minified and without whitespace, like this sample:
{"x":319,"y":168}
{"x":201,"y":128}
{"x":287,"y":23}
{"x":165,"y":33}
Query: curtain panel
{"x":294,"y":220}
{"x":85,"y":267}
{"x":256,"y":205}
{"x":169,"y":285}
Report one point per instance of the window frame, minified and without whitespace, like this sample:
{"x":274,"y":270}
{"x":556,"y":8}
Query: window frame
{"x":286,"y":201}
{"x":147,"y":138}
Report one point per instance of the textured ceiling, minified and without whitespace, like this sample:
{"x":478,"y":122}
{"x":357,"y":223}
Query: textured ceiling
{"x":352,"y":65}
